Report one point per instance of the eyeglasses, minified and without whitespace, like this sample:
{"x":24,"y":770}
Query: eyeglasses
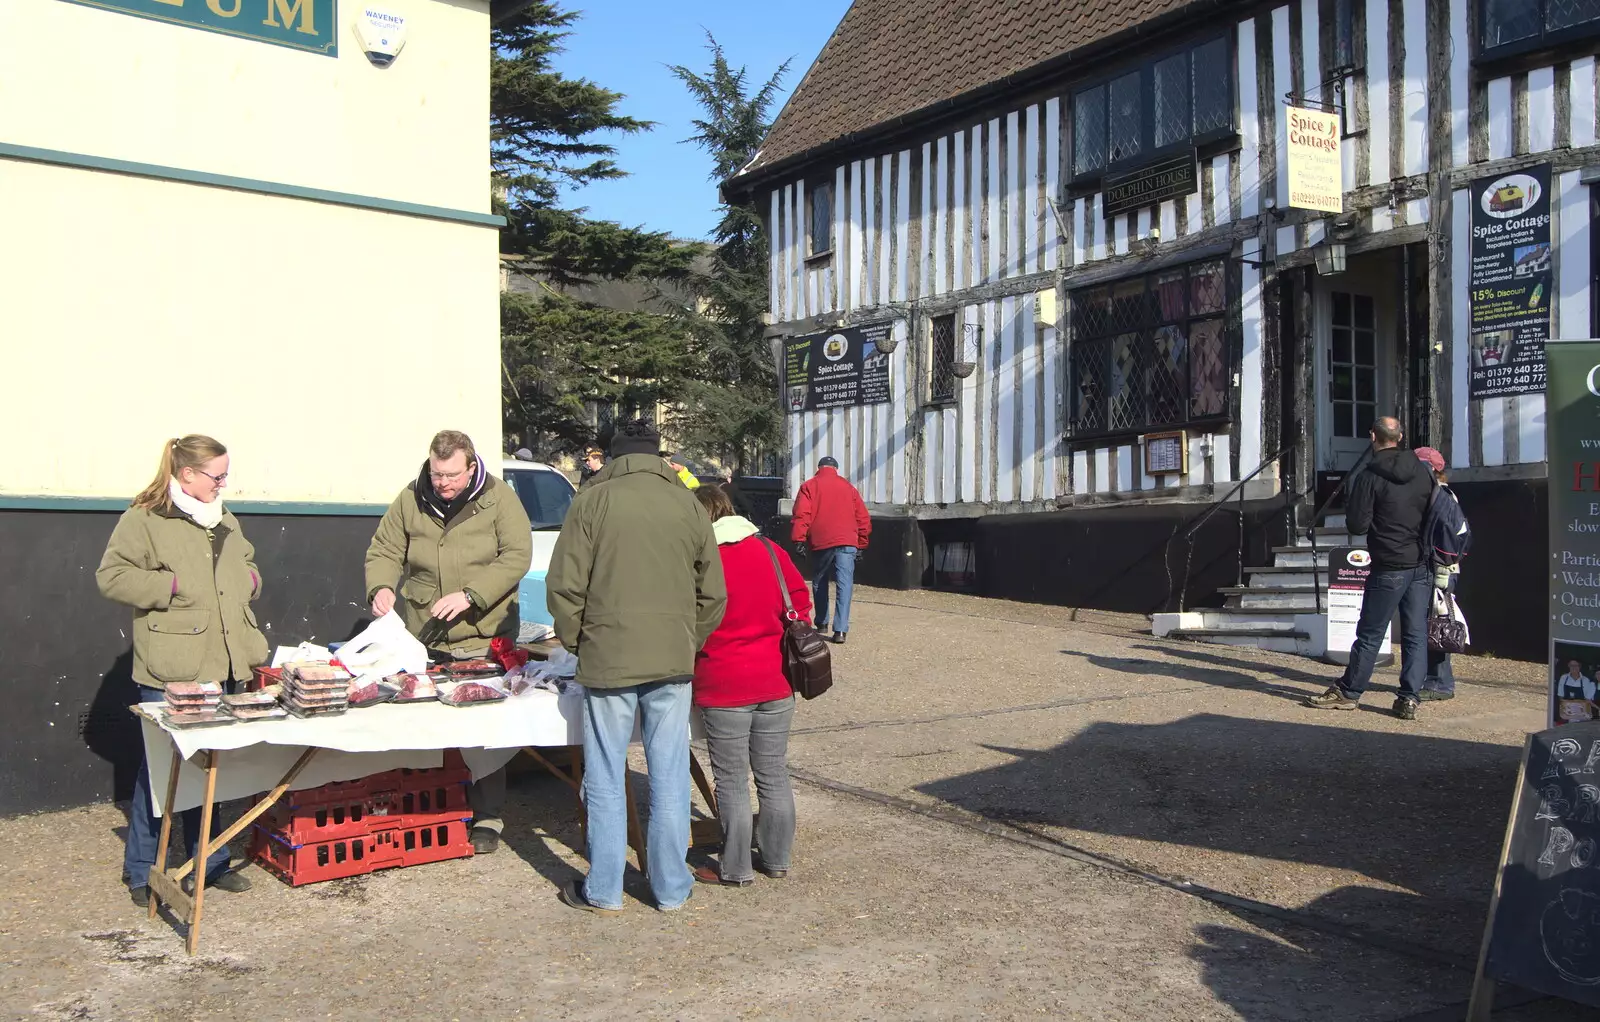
{"x":446,"y":477}
{"x":220,"y":480}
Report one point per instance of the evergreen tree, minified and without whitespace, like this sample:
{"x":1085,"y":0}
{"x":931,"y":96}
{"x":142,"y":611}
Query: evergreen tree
{"x":559,"y":352}
{"x":732,"y":410}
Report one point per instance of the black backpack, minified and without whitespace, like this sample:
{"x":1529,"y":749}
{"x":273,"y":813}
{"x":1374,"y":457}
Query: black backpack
{"x":1446,"y":536}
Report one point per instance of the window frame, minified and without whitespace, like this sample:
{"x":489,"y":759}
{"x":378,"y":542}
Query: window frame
{"x":933,"y":398}
{"x":812,"y":252}
{"x":1148,"y":151}
{"x":1544,"y":40}
{"x":1231,"y":329}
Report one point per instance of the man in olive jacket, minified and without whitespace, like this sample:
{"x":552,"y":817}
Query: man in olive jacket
{"x":635,"y":588}
{"x":457,"y":543}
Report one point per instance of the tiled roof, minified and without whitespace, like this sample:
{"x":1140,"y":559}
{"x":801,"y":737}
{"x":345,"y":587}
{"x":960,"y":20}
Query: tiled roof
{"x":891,"y":58}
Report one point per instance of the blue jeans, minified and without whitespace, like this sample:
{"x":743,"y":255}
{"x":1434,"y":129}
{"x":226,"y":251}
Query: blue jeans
{"x":1409,"y":590}
{"x":837,"y":563}
{"x":663,"y":709}
{"x":144,"y":826}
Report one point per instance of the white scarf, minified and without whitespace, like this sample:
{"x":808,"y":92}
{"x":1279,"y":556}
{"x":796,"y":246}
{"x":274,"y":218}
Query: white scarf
{"x":207,"y":516}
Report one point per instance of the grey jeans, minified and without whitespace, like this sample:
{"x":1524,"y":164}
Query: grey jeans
{"x":742,"y":739}
{"x":487,"y":797}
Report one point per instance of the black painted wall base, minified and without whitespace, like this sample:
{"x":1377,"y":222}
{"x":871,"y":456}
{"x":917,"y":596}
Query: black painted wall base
{"x":1504,"y":589}
{"x":66,"y":656}
{"x":1131,"y":559}
{"x":65,"y":651}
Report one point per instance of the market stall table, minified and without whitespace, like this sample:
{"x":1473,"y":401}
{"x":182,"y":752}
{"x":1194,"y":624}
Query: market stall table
{"x":277,"y":756}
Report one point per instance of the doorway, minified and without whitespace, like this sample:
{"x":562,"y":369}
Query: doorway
{"x":1357,"y":364}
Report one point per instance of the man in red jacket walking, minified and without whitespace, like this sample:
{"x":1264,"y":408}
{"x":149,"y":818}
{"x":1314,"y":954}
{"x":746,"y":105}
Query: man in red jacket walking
{"x":831,"y":519}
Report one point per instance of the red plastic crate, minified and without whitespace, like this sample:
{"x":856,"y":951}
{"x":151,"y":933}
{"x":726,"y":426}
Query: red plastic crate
{"x":453,"y":772}
{"x":299,"y":820}
{"x":355,"y":856}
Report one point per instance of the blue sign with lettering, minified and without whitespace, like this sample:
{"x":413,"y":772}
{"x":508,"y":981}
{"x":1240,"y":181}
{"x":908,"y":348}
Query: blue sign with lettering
{"x":302,"y":24}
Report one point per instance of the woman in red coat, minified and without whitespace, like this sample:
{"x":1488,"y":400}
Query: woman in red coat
{"x":745,"y":700}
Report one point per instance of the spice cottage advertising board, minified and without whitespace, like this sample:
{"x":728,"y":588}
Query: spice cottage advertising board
{"x":837,"y":369}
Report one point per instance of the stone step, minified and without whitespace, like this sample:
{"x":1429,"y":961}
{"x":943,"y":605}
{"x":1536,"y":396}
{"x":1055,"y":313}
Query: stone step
{"x":1303,"y":602}
{"x":1281,"y":577}
{"x":1297,"y":599}
{"x":1333,"y":521}
{"x":1327,"y":539}
{"x":1274,"y":641}
{"x":1297,"y":557}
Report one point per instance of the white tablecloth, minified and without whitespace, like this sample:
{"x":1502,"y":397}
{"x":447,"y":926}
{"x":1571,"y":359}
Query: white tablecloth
{"x":256,"y":754}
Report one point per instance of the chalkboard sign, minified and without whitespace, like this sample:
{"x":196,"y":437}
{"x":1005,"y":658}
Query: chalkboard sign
{"x":1543,"y":931}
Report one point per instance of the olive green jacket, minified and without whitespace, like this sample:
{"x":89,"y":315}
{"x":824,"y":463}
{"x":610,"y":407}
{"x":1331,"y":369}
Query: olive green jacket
{"x":485,"y":552}
{"x":203,"y":631}
{"x":635,"y":583}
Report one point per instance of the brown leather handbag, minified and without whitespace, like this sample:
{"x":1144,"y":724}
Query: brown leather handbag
{"x":806,"y":661}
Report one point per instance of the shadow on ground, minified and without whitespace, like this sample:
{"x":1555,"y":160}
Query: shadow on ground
{"x":1216,"y":673}
{"x":1415,"y":812}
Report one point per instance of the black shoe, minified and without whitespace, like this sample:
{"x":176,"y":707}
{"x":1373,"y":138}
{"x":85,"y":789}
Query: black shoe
{"x":140,"y":895}
{"x":484,"y":841}
{"x":229,"y":881}
{"x":572,"y":897}
{"x":771,"y":874}
{"x":1429,"y":695}
{"x":1405,"y":709}
{"x":838,"y":638}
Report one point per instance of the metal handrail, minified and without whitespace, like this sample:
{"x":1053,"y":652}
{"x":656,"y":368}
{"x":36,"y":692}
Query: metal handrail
{"x":1316,"y":516}
{"x":1290,"y":496}
{"x":1217,"y":505}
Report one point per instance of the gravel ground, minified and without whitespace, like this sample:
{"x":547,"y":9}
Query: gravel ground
{"x":995,"y":801}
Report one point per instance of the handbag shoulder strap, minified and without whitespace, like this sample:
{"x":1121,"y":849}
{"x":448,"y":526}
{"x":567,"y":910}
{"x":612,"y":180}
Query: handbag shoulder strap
{"x":783,"y":587}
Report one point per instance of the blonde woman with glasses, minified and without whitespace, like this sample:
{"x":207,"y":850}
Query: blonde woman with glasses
{"x":180,"y":560}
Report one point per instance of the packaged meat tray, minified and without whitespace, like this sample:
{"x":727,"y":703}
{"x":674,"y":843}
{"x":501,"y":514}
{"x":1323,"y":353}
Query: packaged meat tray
{"x":312,"y":673}
{"x":194,"y":689}
{"x":202,"y":719}
{"x":338,"y":685}
{"x":461,"y":670}
{"x":337,"y":691}
{"x":307,"y":712}
{"x":469,"y":693}
{"x":413,"y":688}
{"x":249,"y":699}
{"x":273,"y":712}
{"x":372,"y":693}
{"x":338,"y":699}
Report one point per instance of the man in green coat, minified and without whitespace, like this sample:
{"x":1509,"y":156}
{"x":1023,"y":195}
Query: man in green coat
{"x":635,"y":588}
{"x":456,"y":544}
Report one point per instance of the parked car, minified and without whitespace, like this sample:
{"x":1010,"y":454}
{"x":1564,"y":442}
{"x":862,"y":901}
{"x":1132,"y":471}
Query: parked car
{"x":546,"y":494}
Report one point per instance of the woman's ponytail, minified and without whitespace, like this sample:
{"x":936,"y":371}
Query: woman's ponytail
{"x":177,"y":454}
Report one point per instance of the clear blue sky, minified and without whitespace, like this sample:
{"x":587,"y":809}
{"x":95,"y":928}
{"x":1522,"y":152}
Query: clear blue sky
{"x":627,"y":45}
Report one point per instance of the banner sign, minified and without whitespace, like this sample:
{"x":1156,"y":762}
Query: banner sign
{"x":302,"y":24}
{"x":1348,"y":568}
{"x":1572,"y":416}
{"x":839,"y":369}
{"x":1316,"y":174}
{"x":1509,"y":285}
